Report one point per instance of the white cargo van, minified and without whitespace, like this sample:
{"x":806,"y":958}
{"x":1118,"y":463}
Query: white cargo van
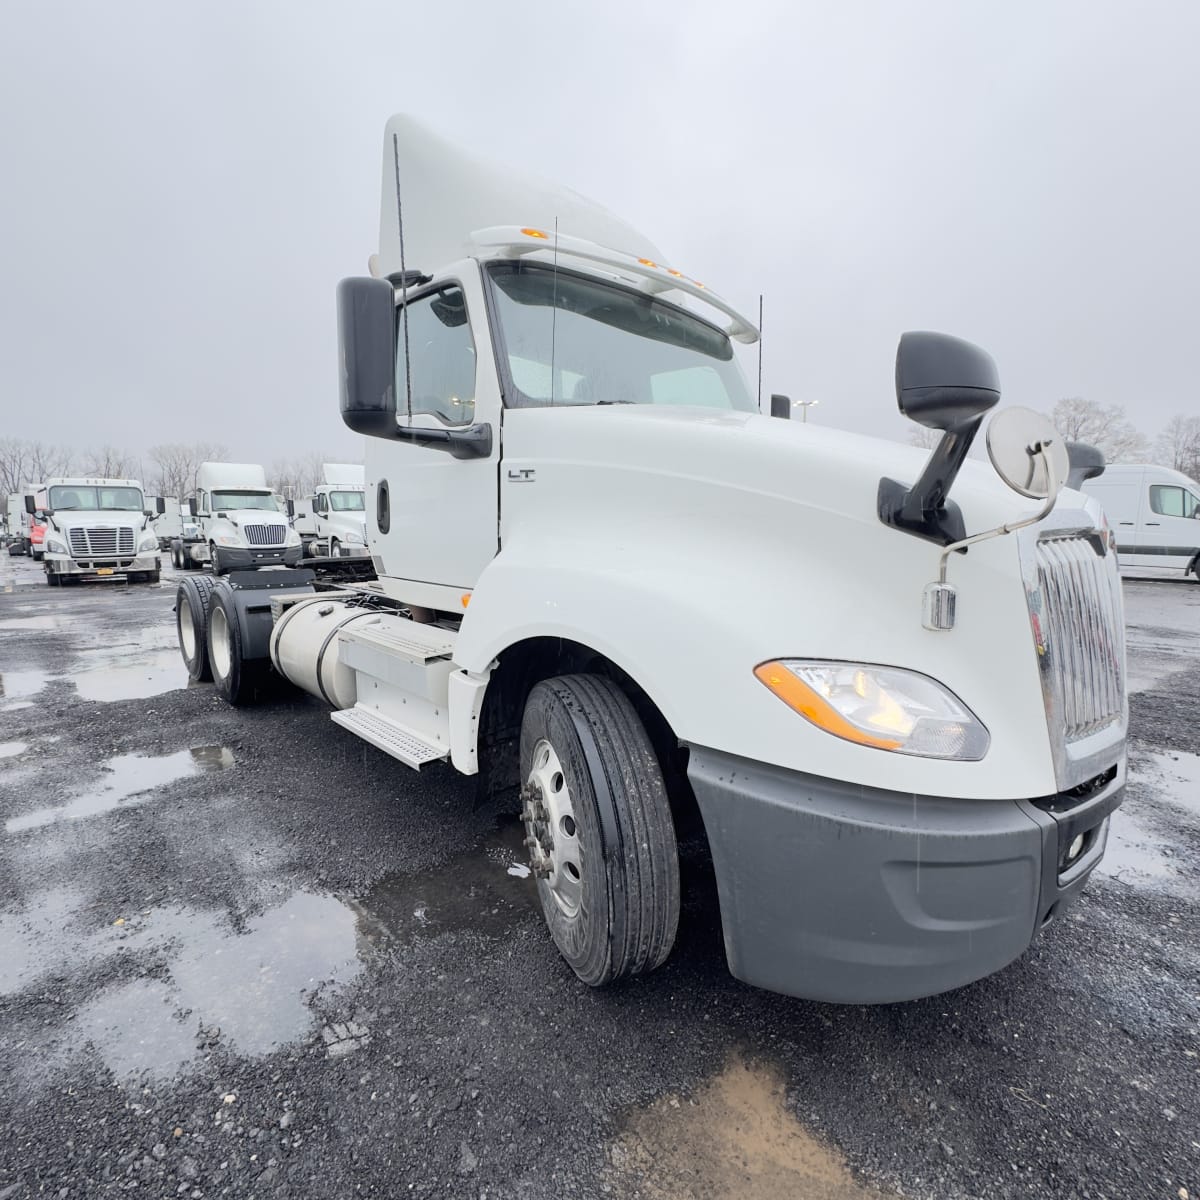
{"x":333,"y":520}
{"x":1155,"y":514}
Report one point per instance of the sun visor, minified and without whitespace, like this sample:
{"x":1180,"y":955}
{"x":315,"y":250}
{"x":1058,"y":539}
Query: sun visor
{"x":446,"y":194}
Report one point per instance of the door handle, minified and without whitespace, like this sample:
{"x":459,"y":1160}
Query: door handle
{"x":1124,"y":522}
{"x":1153,"y":522}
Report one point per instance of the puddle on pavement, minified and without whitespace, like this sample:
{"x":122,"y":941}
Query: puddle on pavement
{"x":734,"y":1137}
{"x":130,"y":780}
{"x":20,"y":686}
{"x":1143,"y":843}
{"x":29,"y":623}
{"x":486,"y":889}
{"x":147,"y":675}
{"x":12,"y":749}
{"x":34,"y":940}
{"x":250,"y":988}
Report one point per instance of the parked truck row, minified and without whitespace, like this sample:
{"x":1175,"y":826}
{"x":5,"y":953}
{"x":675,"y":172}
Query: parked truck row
{"x":92,"y":528}
{"x":888,"y":689}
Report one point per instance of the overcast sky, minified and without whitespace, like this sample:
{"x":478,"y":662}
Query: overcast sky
{"x":182,"y":185}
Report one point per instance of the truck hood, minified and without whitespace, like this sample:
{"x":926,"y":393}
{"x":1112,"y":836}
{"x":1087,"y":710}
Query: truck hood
{"x":794,"y":462}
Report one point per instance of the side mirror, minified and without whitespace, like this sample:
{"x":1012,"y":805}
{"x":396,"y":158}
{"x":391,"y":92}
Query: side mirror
{"x":366,"y":311}
{"x":160,"y":505}
{"x":1086,"y":462}
{"x":291,"y":508}
{"x":30,"y":505}
{"x":1028,"y":453}
{"x":191,"y":506}
{"x":366,"y":314}
{"x":943,"y":383}
{"x":781,"y":406}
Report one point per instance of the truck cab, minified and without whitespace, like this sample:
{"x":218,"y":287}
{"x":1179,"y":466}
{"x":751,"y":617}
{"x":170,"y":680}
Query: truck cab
{"x":888,"y":685}
{"x":241,"y":523}
{"x":333,"y":521}
{"x":96,"y":528}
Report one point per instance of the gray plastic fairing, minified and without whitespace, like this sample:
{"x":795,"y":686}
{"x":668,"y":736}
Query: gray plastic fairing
{"x":831,"y":891}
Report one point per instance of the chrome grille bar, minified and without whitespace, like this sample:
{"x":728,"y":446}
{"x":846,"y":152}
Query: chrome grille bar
{"x":265,"y":535}
{"x":1079,"y":631}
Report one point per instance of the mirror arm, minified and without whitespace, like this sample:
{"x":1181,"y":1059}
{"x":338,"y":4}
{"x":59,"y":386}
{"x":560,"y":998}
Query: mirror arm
{"x":928,"y":494}
{"x":473,"y":442}
{"x":1012,"y":526}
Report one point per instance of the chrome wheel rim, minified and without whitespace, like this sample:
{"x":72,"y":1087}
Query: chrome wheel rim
{"x":222,"y":651}
{"x":552,"y":832}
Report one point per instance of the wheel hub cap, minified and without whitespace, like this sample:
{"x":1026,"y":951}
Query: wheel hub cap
{"x":552,"y":835}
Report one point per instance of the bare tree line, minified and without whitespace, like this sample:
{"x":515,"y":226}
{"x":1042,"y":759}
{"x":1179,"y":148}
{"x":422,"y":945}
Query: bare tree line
{"x":1107,"y":427}
{"x":172,"y":472}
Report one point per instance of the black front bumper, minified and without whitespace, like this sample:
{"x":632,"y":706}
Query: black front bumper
{"x":836,"y":892}
{"x":237,"y":559}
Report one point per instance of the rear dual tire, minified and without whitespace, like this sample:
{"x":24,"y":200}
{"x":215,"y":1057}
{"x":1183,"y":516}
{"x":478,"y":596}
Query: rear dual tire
{"x":239,"y":679}
{"x":193,"y":604}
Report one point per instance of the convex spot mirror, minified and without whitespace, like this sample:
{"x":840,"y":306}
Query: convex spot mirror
{"x":1019,"y":443}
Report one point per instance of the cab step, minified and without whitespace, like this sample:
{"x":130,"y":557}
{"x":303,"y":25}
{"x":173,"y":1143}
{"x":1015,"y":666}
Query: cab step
{"x":390,"y":736}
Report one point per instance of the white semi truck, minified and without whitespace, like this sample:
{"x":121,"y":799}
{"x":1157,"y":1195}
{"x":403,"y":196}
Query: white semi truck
{"x":239,"y":522}
{"x":333,"y":521}
{"x":96,"y":528}
{"x":172,"y":521}
{"x":890,"y":687}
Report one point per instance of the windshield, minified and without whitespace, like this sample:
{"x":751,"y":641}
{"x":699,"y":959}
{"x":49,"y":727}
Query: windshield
{"x":571,"y":339}
{"x":72,"y":496}
{"x":226,"y":500}
{"x":346,"y":501}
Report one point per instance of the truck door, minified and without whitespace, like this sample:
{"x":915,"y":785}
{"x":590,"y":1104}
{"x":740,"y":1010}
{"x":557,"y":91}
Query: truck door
{"x":433,"y":517}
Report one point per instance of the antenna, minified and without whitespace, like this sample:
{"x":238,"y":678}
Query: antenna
{"x":403,"y":279}
{"x":554,"y":312}
{"x":760,"y":351}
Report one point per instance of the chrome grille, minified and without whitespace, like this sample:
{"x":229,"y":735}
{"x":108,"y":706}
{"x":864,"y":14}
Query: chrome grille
{"x":101,"y":541}
{"x":1078,"y":628}
{"x":264,"y":535}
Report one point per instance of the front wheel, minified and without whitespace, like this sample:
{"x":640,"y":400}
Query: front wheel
{"x":214,"y":557}
{"x":335,"y":548}
{"x":599,"y":829}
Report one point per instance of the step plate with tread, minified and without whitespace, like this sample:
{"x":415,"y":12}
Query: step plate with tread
{"x":389,"y":737}
{"x":406,"y":639}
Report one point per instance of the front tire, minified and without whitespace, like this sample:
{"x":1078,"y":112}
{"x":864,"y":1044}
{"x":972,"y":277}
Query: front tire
{"x":193,"y":603}
{"x":335,"y":548}
{"x":214,"y":557}
{"x":599,"y":828}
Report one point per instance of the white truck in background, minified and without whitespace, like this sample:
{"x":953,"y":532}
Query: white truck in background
{"x":239,"y":522}
{"x":96,"y":528}
{"x":616,"y":593}
{"x":171,"y":521}
{"x":333,"y":520}
{"x":1155,"y":514}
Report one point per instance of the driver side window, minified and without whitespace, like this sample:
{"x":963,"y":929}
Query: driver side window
{"x":440,"y":362}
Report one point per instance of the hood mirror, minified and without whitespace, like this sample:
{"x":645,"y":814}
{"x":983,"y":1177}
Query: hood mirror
{"x":1028,"y":453}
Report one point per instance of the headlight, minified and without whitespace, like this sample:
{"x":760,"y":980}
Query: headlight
{"x":353,"y":539}
{"x":226,"y":541}
{"x":293,"y":538}
{"x":54,"y":546}
{"x":882,"y":707}
{"x":150,"y":542}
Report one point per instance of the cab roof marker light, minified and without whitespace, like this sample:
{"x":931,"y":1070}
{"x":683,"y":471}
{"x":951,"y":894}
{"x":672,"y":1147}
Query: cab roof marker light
{"x":513,"y":239}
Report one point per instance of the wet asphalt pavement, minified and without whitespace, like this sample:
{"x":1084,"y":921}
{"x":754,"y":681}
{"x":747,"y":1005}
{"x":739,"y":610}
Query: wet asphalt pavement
{"x":243,"y":954}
